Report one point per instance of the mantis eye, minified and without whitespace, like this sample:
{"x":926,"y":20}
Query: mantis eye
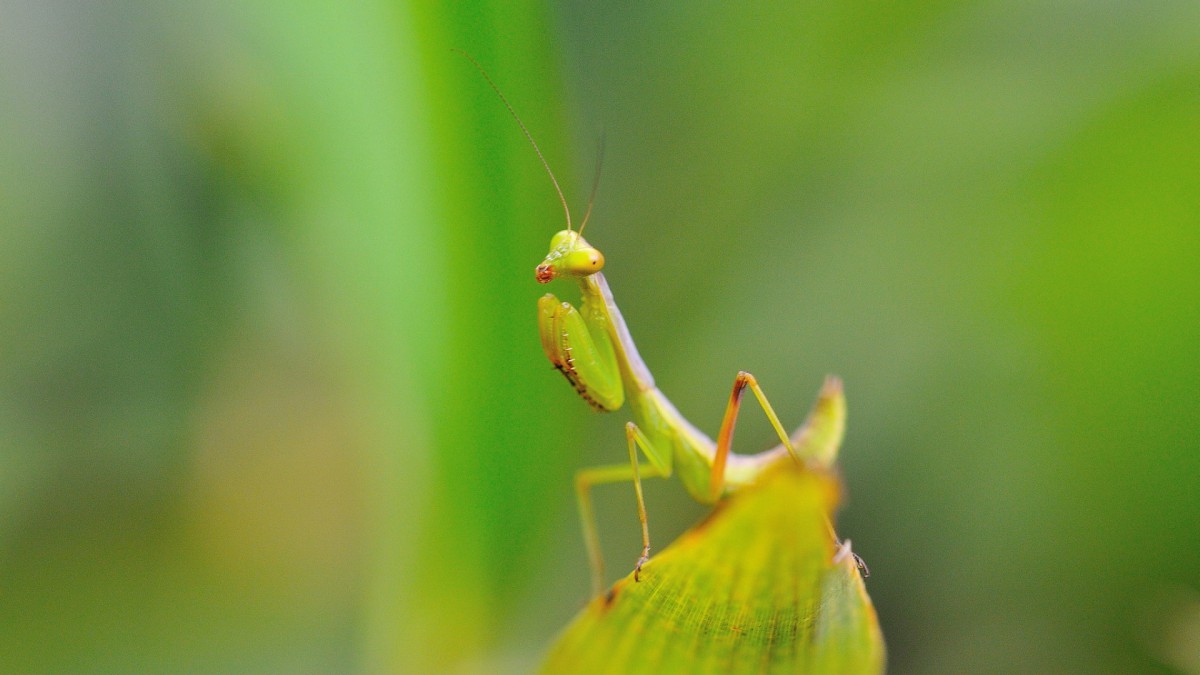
{"x":571,"y":256}
{"x":583,"y":261}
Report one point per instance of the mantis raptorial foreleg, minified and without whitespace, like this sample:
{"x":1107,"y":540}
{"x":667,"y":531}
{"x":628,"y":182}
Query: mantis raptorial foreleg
{"x":579,"y":346}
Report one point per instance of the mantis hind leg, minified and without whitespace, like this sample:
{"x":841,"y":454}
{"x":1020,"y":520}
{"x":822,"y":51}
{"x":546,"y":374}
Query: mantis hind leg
{"x":725,"y":437}
{"x":586,"y":478}
{"x":817,"y":440}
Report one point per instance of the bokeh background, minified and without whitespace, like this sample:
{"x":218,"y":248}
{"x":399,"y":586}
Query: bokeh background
{"x":272,"y":398}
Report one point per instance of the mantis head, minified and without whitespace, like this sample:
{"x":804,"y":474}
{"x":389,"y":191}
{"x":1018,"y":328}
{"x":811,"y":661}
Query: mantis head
{"x":570,"y":255}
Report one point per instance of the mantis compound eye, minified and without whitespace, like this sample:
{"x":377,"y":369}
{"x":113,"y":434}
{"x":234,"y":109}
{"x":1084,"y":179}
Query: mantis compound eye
{"x":582,"y":262}
{"x":570,"y":255}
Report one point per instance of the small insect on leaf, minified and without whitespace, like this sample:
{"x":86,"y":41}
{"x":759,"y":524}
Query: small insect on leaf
{"x":757,"y":587}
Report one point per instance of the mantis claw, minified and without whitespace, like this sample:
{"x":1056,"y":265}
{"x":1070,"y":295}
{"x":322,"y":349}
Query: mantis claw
{"x":637,"y":570}
{"x":862,"y":565}
{"x":843,"y":552}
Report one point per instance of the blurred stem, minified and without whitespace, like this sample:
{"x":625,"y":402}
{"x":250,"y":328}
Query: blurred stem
{"x":468,"y":571}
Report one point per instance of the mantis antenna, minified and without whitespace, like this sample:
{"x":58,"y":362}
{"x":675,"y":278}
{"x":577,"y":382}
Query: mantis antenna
{"x":532,"y":142}
{"x":595,"y":183}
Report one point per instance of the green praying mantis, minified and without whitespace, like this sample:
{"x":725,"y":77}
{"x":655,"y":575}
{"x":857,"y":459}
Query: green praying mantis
{"x":592,"y":347}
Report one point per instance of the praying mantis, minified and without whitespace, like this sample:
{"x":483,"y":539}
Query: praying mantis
{"x":592,"y":347}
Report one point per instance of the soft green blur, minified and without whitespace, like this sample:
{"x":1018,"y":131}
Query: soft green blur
{"x":271,"y":392}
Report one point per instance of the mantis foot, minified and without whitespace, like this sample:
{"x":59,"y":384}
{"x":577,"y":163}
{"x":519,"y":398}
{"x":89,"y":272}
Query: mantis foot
{"x":637,"y":570}
{"x":844,"y":551}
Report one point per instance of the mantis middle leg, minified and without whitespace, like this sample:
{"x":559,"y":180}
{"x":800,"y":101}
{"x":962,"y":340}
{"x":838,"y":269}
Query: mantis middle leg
{"x":586,"y":478}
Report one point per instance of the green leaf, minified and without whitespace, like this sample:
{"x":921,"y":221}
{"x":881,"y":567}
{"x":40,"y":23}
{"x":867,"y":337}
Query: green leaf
{"x":754,"y":588}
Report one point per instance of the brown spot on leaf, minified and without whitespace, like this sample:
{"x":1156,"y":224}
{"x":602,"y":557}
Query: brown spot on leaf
{"x":610,"y":597}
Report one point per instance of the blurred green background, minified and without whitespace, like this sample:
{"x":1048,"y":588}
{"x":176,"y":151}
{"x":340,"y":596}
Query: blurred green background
{"x":271,"y":393}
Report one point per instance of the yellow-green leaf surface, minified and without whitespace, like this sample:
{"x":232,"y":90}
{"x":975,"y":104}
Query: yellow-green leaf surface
{"x":752,"y":589}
